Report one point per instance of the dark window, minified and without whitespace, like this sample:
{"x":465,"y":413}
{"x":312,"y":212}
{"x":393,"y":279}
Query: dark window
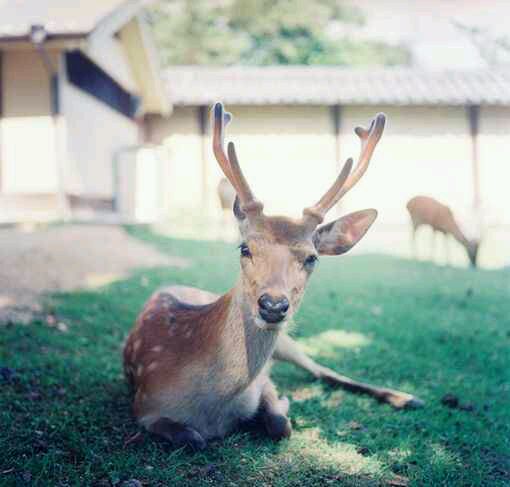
{"x":89,"y":77}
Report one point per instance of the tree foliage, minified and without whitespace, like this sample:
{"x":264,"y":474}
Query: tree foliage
{"x":264,"y":32}
{"x":494,"y":50}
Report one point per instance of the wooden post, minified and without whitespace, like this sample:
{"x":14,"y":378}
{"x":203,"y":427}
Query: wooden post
{"x":1,"y":115}
{"x":336,"y":115}
{"x":202,"y":125}
{"x":474,"y":122}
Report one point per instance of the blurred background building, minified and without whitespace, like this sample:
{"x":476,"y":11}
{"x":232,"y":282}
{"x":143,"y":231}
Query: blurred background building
{"x":76,"y":80}
{"x":95,"y":125}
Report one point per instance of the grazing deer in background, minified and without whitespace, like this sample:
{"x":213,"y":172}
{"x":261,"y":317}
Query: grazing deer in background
{"x":226,"y":194}
{"x":428,"y":211}
{"x":199,"y":363}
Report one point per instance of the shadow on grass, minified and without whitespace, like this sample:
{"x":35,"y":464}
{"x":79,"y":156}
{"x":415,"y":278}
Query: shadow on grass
{"x":411,"y":326}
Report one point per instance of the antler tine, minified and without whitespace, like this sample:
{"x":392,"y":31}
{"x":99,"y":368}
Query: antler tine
{"x":369,"y":139}
{"x":346,"y":180}
{"x":230,"y":165}
{"x":330,"y":198}
{"x":221,"y":118}
{"x":249,"y":202}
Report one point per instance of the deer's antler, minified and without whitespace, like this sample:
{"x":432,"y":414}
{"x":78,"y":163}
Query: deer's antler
{"x":314,"y":215}
{"x":230,"y":164}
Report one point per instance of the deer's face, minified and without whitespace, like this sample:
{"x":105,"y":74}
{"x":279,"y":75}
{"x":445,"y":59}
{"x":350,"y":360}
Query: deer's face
{"x":277,"y":258}
{"x":278,"y":255}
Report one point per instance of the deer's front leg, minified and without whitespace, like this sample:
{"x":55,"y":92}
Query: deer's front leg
{"x":274,"y":413}
{"x":178,"y":434}
{"x":288,"y":350}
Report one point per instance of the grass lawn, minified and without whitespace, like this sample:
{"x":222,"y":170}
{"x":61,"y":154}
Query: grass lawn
{"x":65,"y":414}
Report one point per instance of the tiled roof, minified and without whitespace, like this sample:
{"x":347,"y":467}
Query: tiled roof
{"x":59,"y":17}
{"x":199,"y":85}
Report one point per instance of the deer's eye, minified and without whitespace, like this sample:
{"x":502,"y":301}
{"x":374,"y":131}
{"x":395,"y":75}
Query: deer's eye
{"x":245,"y":251}
{"x":310,"y":261}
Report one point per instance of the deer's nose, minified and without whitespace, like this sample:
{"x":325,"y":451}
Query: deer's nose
{"x":273,"y":309}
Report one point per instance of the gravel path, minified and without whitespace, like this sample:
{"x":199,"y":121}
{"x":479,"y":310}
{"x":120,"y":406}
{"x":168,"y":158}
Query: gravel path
{"x":65,"y":258}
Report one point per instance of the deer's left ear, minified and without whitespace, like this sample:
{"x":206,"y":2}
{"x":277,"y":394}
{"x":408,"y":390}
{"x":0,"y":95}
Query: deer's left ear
{"x":341,"y":235}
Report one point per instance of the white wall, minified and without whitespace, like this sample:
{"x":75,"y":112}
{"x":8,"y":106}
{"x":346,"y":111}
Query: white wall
{"x":424,"y":150}
{"x":95,"y":132}
{"x":181,"y":144}
{"x":279,"y":149}
{"x":28,"y":145}
{"x":288,"y":155}
{"x":494,"y":147}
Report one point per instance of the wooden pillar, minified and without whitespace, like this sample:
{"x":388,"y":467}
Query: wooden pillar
{"x":202,"y":115}
{"x":336,"y":117}
{"x":1,"y":114}
{"x":473,"y":112}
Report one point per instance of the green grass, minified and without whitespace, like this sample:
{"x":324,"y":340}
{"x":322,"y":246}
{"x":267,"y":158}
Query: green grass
{"x":428,"y":330}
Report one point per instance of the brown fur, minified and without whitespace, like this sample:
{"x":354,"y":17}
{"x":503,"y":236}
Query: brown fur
{"x":170,"y":334}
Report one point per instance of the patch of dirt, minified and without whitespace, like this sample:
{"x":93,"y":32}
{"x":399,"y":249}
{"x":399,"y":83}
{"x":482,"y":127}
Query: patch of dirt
{"x":66,"y":258}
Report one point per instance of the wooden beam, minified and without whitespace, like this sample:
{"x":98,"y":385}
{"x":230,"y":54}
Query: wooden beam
{"x":473,"y":112}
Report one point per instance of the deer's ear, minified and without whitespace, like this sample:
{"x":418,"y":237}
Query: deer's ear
{"x":341,"y":235}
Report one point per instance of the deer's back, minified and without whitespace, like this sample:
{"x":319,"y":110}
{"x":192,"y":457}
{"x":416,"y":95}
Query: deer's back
{"x":425,"y":210}
{"x":169,"y":338}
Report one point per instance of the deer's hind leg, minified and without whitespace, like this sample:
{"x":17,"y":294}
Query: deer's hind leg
{"x":288,"y":350}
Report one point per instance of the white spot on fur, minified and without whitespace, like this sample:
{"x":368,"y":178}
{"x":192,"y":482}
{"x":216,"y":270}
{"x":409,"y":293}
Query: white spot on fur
{"x":136,"y":345}
{"x":157,"y":349}
{"x":139,"y":371}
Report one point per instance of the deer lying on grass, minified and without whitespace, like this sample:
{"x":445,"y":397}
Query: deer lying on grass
{"x":199,"y":363}
{"x":428,"y":211}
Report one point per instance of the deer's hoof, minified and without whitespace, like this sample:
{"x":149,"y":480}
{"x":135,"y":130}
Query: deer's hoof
{"x":406,"y":401}
{"x":189,"y":438}
{"x":415,"y":403}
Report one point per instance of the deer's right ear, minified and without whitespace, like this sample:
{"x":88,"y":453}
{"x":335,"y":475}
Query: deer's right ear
{"x":238,"y":213}
{"x":341,"y":235}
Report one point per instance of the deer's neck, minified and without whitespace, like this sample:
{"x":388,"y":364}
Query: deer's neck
{"x":458,"y":234}
{"x":246,"y":349}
